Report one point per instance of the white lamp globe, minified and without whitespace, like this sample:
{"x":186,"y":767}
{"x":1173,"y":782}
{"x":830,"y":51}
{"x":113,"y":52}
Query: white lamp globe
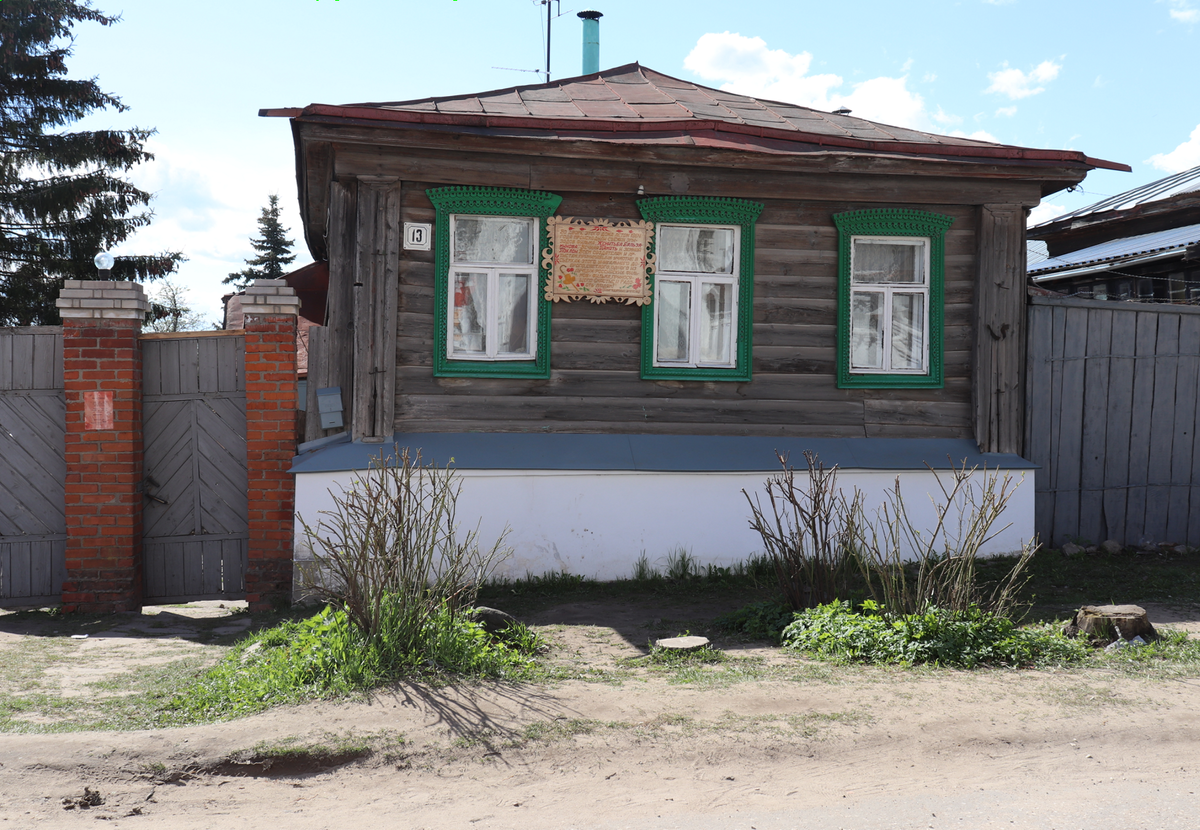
{"x":104,"y":260}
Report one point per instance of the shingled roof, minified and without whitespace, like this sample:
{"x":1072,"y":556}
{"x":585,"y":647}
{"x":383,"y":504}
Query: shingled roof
{"x":635,"y":104}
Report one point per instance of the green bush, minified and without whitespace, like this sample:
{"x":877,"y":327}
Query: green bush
{"x":326,"y":655}
{"x":963,"y":639}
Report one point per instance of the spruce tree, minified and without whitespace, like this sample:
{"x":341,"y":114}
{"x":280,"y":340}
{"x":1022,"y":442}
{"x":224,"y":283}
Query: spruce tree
{"x":273,"y":247}
{"x":63,"y":198}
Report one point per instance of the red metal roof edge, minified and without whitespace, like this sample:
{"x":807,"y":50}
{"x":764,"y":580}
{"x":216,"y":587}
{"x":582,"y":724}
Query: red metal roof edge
{"x":598,"y":127}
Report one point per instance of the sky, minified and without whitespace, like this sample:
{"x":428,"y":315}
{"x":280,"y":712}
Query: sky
{"x":1115,"y":79}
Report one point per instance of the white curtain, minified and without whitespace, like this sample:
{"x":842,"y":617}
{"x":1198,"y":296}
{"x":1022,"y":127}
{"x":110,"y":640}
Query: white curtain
{"x":470,"y":313}
{"x":493,"y":239}
{"x":512,"y":313}
{"x":674,"y":304}
{"x":699,"y":250}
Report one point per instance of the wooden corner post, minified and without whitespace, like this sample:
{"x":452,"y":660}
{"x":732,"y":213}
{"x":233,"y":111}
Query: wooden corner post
{"x":271,"y":308}
{"x":998,"y":370}
{"x":102,"y":378}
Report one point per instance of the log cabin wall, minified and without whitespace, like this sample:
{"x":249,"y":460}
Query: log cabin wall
{"x":595,"y":383}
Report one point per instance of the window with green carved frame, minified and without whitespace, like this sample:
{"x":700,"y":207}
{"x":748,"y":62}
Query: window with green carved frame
{"x":490,"y":316}
{"x":891,"y":277}
{"x":698,"y":325}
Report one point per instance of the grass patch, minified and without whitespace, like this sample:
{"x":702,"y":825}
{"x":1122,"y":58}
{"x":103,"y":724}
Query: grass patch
{"x":326,"y":656}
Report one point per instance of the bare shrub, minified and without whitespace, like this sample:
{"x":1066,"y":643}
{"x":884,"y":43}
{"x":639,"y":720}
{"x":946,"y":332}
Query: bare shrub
{"x":808,"y":532}
{"x":390,"y":553}
{"x":909,"y":569}
{"x":816,"y":536}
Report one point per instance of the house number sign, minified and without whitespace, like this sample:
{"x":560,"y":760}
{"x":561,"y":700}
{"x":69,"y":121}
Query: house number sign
{"x":598,"y":260}
{"x":417,"y":236}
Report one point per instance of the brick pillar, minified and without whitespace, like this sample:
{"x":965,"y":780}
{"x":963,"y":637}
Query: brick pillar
{"x":102,"y":374}
{"x":271,"y":307}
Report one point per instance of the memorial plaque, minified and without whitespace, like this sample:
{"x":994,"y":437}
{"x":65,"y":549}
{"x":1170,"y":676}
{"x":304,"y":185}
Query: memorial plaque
{"x":598,"y":260}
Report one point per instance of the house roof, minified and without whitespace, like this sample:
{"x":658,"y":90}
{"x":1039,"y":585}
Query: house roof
{"x":1124,"y":251}
{"x":635,"y":104}
{"x":1178,"y":184}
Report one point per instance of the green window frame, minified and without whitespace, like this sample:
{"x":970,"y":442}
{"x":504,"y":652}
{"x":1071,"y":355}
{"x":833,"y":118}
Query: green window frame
{"x":489,"y":201}
{"x":739,"y":214}
{"x":920,"y":230}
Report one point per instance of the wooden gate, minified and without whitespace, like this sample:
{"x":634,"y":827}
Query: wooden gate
{"x":33,"y":525}
{"x":195,"y":522}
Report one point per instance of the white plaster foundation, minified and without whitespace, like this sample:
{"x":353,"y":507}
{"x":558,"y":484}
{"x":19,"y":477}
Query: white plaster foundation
{"x":597,"y":524}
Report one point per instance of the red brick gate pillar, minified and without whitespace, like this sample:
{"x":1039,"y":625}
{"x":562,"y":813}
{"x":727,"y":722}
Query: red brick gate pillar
{"x":271,"y":308}
{"x":102,"y":375}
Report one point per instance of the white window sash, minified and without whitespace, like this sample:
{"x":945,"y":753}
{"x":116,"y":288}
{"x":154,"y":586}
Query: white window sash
{"x":492,"y":346}
{"x":888,"y":290}
{"x":697,"y":280}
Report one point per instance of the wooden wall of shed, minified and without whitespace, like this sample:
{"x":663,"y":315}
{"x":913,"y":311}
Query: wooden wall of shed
{"x":595,"y":384}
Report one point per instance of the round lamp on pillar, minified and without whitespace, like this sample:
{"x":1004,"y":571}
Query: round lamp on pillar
{"x":104,"y":263}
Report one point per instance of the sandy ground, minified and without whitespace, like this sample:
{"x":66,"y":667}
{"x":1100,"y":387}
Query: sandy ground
{"x":800,"y":746}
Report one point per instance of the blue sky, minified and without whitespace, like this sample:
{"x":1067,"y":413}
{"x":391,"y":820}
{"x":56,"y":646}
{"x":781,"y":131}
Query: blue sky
{"x":1116,"y":79}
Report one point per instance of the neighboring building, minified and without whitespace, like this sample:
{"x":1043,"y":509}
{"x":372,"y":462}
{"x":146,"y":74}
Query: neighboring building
{"x":788,"y":280}
{"x":312,"y":285}
{"x":1141,"y":245}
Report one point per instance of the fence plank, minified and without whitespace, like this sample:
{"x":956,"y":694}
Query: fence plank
{"x":1120,"y":414}
{"x":1070,"y":425}
{"x":1187,"y":387}
{"x":1038,"y":425}
{"x":1162,"y":428}
{"x":1142,"y":405}
{"x":1095,"y":422}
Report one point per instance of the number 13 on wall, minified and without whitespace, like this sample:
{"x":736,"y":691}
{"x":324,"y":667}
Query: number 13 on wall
{"x":417,"y":236}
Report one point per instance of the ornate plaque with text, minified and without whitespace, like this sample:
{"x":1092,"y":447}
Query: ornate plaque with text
{"x":598,"y":260}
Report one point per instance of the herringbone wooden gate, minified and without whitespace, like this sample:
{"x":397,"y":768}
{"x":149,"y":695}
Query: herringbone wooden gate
{"x":33,"y":526}
{"x":195,"y":521}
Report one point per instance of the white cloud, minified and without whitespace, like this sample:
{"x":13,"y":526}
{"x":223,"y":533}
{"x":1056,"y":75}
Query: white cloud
{"x":945,"y":118}
{"x":1007,"y":112}
{"x":208,"y":208}
{"x":1044,"y":213}
{"x":978,"y":135}
{"x":1183,"y":11}
{"x":1184,"y":157}
{"x":1017,"y":84}
{"x":747,"y":66}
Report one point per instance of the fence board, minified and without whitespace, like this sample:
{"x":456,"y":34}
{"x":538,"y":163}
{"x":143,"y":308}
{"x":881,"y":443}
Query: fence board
{"x":1095,"y":425}
{"x":1038,"y":425}
{"x":1162,"y":427}
{"x":1187,"y":387}
{"x":1120,"y":415}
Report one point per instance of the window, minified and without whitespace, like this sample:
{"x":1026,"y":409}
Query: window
{"x":890,"y":297}
{"x":490,"y":317}
{"x":698,"y":325}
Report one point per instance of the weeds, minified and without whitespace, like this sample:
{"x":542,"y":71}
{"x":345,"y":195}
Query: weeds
{"x":962,"y":639}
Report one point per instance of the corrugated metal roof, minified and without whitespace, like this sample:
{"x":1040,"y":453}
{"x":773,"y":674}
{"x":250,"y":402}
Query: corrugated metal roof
{"x":1175,"y":185}
{"x":1116,"y":250}
{"x":656,"y":108}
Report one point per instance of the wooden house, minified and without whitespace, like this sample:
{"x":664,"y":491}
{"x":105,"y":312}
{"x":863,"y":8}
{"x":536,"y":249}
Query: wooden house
{"x":609,"y":300}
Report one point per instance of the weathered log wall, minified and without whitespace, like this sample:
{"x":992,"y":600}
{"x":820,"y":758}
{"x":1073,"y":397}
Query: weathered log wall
{"x":595,"y":384}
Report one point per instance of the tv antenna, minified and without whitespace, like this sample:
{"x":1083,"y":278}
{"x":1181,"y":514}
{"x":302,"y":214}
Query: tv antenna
{"x":553,"y":10}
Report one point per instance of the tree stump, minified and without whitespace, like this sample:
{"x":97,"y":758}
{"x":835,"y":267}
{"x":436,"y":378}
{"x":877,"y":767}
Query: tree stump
{"x":1105,"y":623}
{"x":682,"y":643}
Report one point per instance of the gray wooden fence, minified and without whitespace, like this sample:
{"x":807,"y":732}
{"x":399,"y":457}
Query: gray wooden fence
{"x":1112,"y":417}
{"x":33,"y":525}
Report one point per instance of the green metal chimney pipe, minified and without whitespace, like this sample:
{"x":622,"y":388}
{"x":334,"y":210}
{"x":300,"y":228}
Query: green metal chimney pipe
{"x":591,"y":40}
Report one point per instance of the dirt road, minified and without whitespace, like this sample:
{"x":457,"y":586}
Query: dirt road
{"x":762,"y":741}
